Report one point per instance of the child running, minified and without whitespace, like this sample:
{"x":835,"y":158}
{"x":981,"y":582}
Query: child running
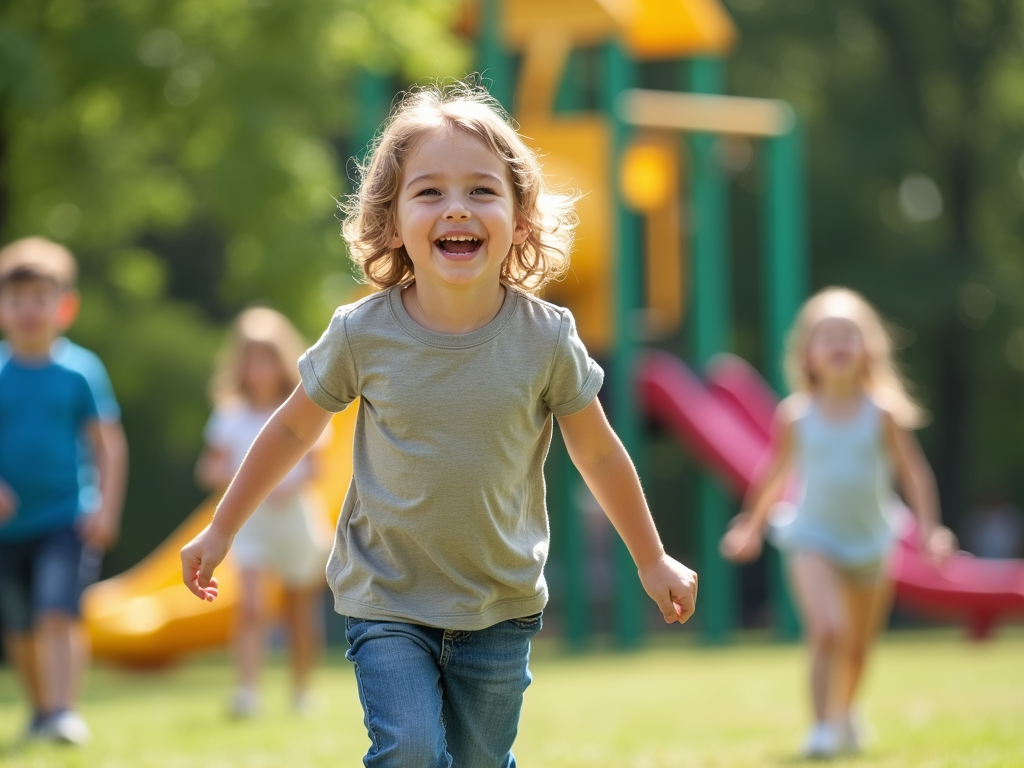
{"x":843,"y":432}
{"x":438,"y":562}
{"x":63,"y":464}
{"x":284,"y":537}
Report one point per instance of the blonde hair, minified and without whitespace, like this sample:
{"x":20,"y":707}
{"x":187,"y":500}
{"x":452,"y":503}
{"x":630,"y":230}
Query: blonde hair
{"x":39,"y":257}
{"x":265,"y":327}
{"x":883,"y":379}
{"x":370,"y":223}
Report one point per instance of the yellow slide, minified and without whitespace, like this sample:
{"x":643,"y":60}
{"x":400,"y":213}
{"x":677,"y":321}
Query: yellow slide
{"x":145,"y":617}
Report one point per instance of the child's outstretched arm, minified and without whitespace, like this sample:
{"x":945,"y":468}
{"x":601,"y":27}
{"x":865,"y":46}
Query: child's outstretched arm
{"x":743,"y":541}
{"x":609,"y":473}
{"x":292,"y":430}
{"x":919,"y":489}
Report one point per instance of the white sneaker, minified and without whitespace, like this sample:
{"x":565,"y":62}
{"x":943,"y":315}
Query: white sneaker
{"x":66,"y":727}
{"x":304,"y":704}
{"x":822,"y":741}
{"x":245,"y":704}
{"x":854,"y":732}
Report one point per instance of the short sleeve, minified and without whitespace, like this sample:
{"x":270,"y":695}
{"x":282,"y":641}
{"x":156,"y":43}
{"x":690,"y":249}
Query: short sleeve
{"x":328,"y":369}
{"x":575,"y":377}
{"x":102,"y":391}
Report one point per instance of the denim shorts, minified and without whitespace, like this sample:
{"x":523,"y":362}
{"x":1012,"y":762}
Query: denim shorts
{"x":441,"y":698}
{"x":44,"y":574}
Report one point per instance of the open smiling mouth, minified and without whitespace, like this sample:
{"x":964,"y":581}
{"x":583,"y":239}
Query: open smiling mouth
{"x":462,"y":246}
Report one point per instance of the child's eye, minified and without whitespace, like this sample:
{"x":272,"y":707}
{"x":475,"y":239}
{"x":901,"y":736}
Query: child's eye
{"x":428,"y":191}
{"x":483,"y":191}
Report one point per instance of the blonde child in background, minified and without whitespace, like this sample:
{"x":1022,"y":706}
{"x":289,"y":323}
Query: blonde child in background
{"x":844,"y":432}
{"x":438,"y":561}
{"x":285,"y":536}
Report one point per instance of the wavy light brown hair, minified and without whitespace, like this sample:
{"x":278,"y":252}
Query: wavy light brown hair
{"x":883,"y":378}
{"x":370,"y":223}
{"x":256,"y":326}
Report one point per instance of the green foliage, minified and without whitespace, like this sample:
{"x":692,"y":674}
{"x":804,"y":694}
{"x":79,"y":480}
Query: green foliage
{"x":188,"y":151}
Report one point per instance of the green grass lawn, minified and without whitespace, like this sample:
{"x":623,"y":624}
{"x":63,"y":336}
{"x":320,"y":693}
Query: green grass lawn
{"x":935,"y":700}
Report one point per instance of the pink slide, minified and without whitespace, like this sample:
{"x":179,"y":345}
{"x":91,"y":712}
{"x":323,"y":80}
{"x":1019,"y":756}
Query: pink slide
{"x":726,"y":424}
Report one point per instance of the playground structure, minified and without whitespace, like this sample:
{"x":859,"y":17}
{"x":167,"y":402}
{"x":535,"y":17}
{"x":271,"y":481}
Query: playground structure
{"x":639,"y":271}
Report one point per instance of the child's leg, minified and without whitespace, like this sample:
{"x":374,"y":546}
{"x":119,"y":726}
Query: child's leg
{"x":868,"y":605}
{"x":56,"y":596}
{"x":20,"y":650}
{"x":56,"y":656}
{"x":16,"y":608}
{"x":249,"y":631}
{"x":484,"y":676}
{"x":399,"y":681}
{"x":302,"y":613}
{"x":819,"y":592}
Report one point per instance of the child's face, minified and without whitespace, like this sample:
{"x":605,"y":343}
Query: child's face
{"x":456,"y":214}
{"x":262,"y":376}
{"x":836,"y":350}
{"x":28,"y":314}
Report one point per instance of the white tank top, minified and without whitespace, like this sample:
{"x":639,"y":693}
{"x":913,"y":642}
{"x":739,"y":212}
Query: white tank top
{"x":846,"y":493}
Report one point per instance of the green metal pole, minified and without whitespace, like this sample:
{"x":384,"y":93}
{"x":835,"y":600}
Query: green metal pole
{"x":711,"y":313}
{"x":574,"y":540}
{"x":495,"y":64}
{"x":785,"y":287}
{"x":374,"y":104}
{"x":572,"y":544}
{"x":626,"y":280}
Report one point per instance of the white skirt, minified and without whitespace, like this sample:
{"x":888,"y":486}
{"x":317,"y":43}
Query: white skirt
{"x":284,"y":536}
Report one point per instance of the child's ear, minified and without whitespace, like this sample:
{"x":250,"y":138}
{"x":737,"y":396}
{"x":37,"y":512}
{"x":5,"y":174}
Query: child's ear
{"x":396,"y":238}
{"x":521,"y":232}
{"x":69,"y":304}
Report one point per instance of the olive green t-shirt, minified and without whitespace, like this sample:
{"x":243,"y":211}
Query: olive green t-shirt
{"x":445,"y":522}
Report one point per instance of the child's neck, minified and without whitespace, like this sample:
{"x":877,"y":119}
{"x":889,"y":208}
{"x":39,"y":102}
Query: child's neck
{"x":32,"y":350}
{"x":454,"y":311}
{"x":838,"y":393}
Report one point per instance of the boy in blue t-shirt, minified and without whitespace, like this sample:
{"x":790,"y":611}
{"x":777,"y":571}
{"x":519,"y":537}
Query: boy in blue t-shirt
{"x":62,"y":468}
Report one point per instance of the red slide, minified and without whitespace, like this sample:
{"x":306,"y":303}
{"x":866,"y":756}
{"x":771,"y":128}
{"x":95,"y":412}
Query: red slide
{"x":726,"y":424}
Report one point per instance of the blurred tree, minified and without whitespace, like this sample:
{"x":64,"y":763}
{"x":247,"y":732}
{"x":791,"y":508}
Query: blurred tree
{"x":186,"y":150}
{"x":916,"y":110}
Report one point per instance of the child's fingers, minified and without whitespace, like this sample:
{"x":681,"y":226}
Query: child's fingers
{"x":668,"y":608}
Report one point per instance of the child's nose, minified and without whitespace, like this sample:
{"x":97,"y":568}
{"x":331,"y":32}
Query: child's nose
{"x":457,"y":212}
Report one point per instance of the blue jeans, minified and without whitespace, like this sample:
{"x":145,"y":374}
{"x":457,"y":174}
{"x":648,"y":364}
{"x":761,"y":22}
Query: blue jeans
{"x":440,"y":698}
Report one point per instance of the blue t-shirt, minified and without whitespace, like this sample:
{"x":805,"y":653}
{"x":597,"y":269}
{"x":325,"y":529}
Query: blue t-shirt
{"x":43,"y":412}
{"x":70,"y":355}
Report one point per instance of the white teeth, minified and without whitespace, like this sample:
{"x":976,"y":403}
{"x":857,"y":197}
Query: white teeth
{"x":460,"y":238}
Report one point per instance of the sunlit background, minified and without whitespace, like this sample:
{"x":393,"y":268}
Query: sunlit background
{"x":192,"y":153}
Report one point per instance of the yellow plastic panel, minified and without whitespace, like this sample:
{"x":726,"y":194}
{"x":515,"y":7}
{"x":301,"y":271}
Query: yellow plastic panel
{"x":587,"y":21}
{"x":663,"y":29}
{"x":575,"y":152}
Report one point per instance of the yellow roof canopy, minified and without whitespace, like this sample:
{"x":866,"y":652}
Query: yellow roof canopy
{"x":651,"y":29}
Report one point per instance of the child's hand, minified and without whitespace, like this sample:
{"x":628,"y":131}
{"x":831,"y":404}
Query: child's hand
{"x":198,"y":559}
{"x":8,"y":502}
{"x":742,"y":543}
{"x":672,"y":586}
{"x":940,"y":544}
